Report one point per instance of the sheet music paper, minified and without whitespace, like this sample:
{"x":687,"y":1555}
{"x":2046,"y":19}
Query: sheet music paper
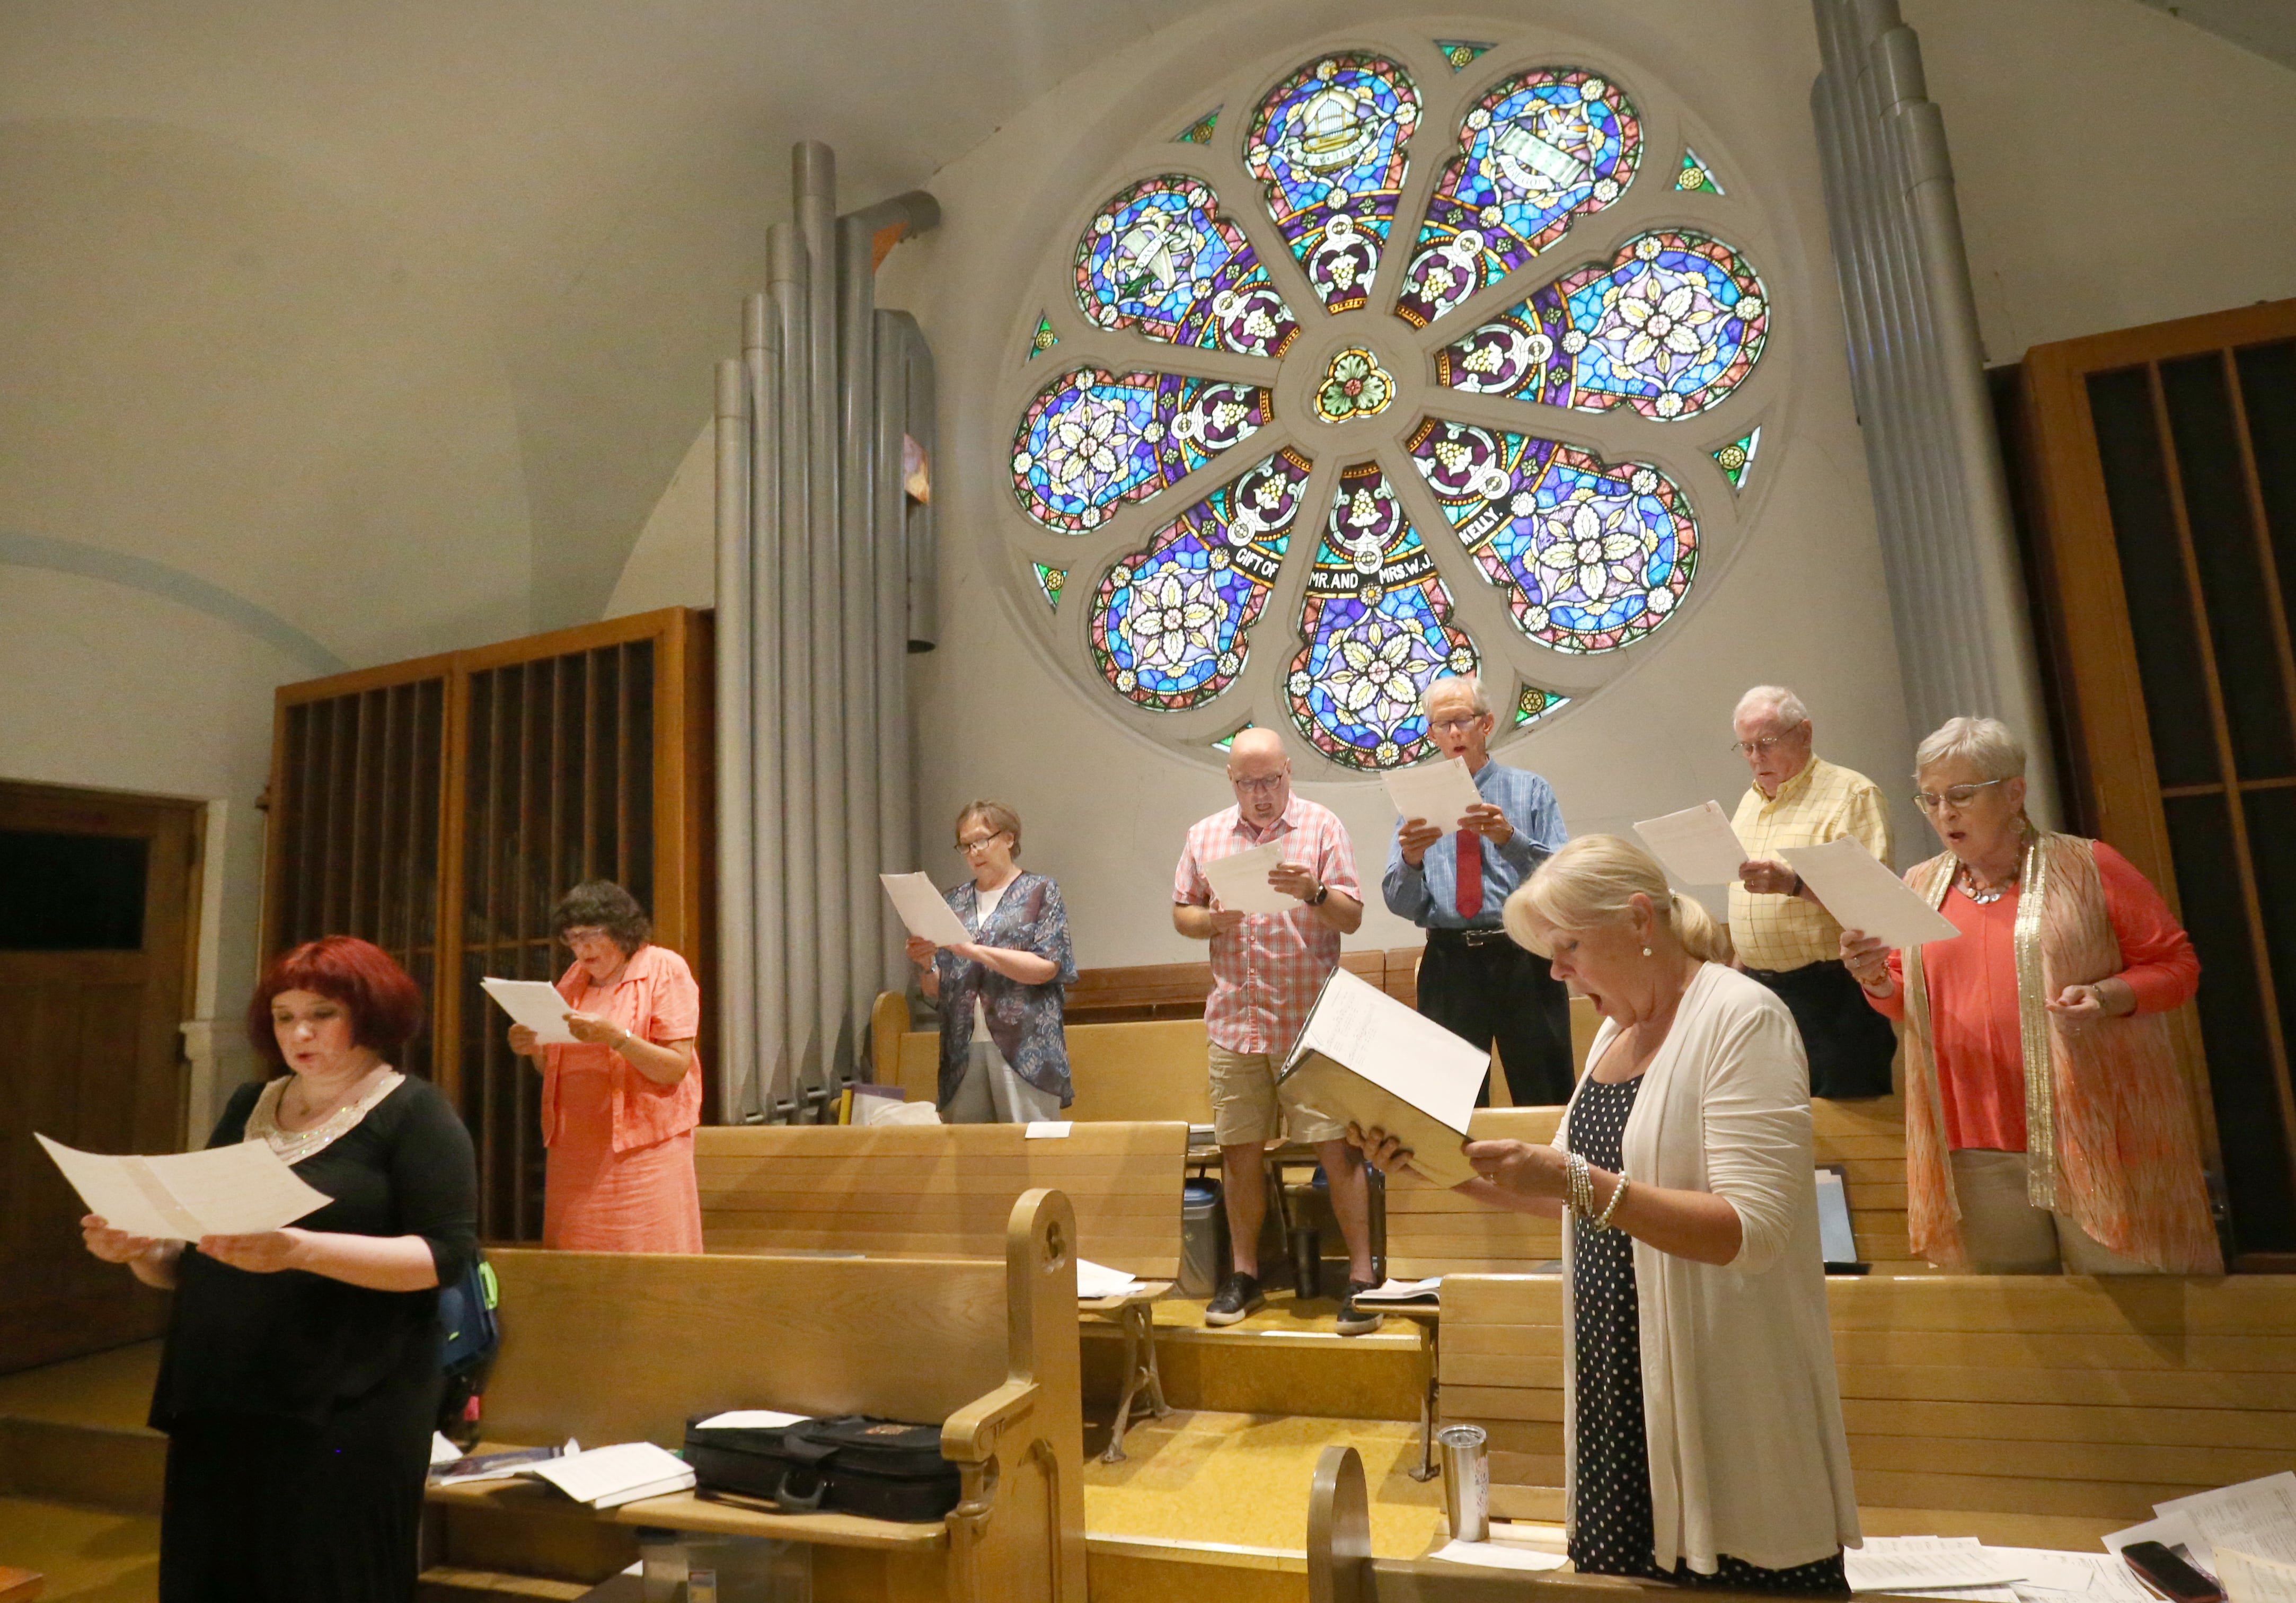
{"x":1387,"y":1066}
{"x":1698,"y":845}
{"x":2257,"y":1516}
{"x":1239,"y":881}
{"x":1862,"y":894}
{"x":606,"y":1477}
{"x":537,"y":1005}
{"x":1439,"y":793}
{"x":923,"y":909}
{"x":2249,"y":1579}
{"x":237,"y":1190}
{"x":2055,"y":1576}
{"x":1836,"y":1237}
{"x":1926,"y":1564}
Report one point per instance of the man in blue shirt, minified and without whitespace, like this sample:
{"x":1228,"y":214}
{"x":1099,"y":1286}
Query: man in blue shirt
{"x":1452,"y":878}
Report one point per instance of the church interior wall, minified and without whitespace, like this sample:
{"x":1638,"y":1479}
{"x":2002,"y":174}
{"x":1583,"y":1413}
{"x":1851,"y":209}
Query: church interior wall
{"x":260,"y":363}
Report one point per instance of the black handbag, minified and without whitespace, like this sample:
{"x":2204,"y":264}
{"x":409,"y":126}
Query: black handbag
{"x":876,"y":1468}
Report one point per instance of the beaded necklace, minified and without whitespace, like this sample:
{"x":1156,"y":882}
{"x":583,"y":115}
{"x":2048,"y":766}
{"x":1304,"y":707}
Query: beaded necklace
{"x":294,"y":1146}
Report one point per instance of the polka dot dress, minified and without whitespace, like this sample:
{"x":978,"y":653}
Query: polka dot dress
{"x":1613,"y":1536}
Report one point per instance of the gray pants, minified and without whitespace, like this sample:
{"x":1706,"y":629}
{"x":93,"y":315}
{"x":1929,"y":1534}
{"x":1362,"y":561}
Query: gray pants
{"x":2006,"y":1235}
{"x":991,"y":1093}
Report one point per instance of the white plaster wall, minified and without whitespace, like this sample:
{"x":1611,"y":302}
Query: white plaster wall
{"x":117,"y":689}
{"x":1801,"y":601}
{"x":675,"y":562}
{"x":2115,"y":166}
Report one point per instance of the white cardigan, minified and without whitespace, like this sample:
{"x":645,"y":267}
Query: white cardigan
{"x":1741,"y":1406}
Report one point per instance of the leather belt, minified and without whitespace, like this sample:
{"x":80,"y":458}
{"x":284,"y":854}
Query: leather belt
{"x":1467,"y":938}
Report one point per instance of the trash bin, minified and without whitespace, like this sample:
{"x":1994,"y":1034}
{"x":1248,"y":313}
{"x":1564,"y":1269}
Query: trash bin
{"x":1203,"y":1238}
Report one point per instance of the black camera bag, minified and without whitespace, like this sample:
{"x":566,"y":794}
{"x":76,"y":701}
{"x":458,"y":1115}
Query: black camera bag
{"x":876,"y":1468}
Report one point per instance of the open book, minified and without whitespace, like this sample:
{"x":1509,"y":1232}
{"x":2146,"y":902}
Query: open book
{"x":1365,"y":1058}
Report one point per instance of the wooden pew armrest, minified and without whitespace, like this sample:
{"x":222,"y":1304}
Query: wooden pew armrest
{"x":969,"y":1436}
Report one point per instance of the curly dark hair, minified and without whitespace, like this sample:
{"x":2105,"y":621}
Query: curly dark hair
{"x":601,"y":904}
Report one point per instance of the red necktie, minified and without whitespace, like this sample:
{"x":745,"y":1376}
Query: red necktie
{"x":1470,"y":893}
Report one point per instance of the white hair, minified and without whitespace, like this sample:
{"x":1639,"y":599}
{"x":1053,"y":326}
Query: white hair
{"x":1985,"y":742}
{"x":1472,"y":683}
{"x":1772,"y":698}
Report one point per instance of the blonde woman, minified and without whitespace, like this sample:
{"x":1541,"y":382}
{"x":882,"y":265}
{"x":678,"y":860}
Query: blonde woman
{"x":1702,"y":1440}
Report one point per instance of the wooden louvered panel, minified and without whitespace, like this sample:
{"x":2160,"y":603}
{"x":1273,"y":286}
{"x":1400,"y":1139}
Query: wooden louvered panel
{"x":439,"y":807}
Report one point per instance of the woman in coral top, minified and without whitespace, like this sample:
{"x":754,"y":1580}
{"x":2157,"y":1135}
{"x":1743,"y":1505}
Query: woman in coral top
{"x":2046,"y":1123}
{"x":618,"y":1109}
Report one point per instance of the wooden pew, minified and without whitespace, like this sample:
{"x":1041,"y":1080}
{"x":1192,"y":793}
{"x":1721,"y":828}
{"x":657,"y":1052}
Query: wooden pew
{"x":1433,"y":1231}
{"x":615,"y":1347}
{"x":2037,"y":1411}
{"x":1143,"y":1067}
{"x":945,"y":1191}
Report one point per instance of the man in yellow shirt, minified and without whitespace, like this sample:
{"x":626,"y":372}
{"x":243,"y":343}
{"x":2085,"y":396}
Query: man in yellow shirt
{"x":1785,"y":937}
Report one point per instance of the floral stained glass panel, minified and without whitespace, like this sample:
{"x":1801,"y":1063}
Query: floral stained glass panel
{"x":1093,"y":440}
{"x":1377,"y":626}
{"x":1535,"y":704}
{"x":1669,"y":326}
{"x":1538,"y":151}
{"x":1328,"y":146}
{"x":1159,"y":257}
{"x":1592,"y":557}
{"x":1050,"y":580}
{"x":1170,"y":624}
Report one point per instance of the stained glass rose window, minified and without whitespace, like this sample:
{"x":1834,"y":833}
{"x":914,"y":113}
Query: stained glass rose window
{"x":1428,"y":362}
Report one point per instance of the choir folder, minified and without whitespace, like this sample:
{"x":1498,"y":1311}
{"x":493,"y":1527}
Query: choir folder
{"x":1365,"y":1058}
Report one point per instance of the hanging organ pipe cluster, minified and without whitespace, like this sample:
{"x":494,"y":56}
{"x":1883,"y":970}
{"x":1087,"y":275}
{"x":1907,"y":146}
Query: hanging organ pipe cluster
{"x":824,"y":585}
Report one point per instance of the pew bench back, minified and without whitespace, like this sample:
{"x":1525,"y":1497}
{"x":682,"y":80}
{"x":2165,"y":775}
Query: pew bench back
{"x":942,"y":1191}
{"x":1431,"y":1230}
{"x":2071,"y":1403}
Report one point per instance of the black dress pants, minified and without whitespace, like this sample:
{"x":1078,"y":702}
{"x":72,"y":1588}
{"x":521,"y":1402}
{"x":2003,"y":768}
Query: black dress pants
{"x":1850,"y":1045}
{"x":1495,"y":991}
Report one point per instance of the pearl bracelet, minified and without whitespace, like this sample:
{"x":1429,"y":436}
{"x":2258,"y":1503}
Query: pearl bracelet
{"x":1603,"y":1220}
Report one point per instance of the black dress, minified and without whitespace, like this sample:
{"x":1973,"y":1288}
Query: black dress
{"x":1612,"y":1533}
{"x":298,"y":1410}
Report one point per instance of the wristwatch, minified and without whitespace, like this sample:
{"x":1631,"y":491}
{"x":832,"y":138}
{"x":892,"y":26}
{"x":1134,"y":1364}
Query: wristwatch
{"x":1322,"y":893}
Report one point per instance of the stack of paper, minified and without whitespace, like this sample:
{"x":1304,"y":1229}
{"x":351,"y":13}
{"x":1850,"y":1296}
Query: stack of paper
{"x":1500,"y":1556}
{"x":1698,"y":845}
{"x":1097,"y":1281}
{"x":923,"y":909}
{"x":506,"y":1465}
{"x":1954,"y":1567}
{"x":2255,"y":1517}
{"x":1434,"y":792}
{"x":537,"y":1005}
{"x":606,"y":1477}
{"x":1404,"y":1291}
{"x":1862,"y":894}
{"x":1239,"y":881}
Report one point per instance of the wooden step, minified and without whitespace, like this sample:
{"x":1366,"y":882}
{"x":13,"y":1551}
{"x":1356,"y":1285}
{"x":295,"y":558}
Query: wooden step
{"x":93,"y":1465}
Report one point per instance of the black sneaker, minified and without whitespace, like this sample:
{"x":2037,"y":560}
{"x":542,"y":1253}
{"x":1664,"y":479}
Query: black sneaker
{"x":1355,"y":1320}
{"x":1239,"y":1295}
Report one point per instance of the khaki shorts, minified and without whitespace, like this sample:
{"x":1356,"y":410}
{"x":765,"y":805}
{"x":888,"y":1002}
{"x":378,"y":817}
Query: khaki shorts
{"x":1248,"y":1105}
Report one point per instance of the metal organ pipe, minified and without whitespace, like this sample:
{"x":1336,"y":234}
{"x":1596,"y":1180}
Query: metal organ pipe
{"x":924,"y":427}
{"x":736,"y":870}
{"x":787,"y":276}
{"x":769,"y":987}
{"x":816,"y":588}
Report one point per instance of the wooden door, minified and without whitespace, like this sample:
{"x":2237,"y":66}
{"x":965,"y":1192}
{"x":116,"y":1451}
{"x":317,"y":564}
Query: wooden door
{"x":2164,"y":459}
{"x":95,"y":922}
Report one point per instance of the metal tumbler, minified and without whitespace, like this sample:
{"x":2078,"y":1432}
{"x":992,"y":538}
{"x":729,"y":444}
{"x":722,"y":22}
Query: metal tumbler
{"x":1466,"y":1481}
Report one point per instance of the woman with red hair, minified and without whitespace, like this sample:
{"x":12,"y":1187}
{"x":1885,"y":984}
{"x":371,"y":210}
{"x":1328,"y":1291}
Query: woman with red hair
{"x":300,"y":1380}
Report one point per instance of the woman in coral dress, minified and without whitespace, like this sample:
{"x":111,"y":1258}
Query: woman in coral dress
{"x":619,"y":1108}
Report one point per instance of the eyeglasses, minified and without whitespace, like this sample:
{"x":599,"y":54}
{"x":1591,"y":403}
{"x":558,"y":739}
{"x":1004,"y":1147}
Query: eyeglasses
{"x":1264,"y":786}
{"x":981,"y":844}
{"x":1747,"y":748}
{"x":1958,"y":796}
{"x":1450,"y":726}
{"x":588,"y":932}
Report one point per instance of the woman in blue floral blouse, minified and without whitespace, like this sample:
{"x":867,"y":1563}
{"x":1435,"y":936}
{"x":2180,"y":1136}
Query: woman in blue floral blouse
{"x":1002,"y":1056}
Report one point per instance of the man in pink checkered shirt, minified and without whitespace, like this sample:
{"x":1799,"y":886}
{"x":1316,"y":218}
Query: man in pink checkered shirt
{"x":1266,"y":971}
